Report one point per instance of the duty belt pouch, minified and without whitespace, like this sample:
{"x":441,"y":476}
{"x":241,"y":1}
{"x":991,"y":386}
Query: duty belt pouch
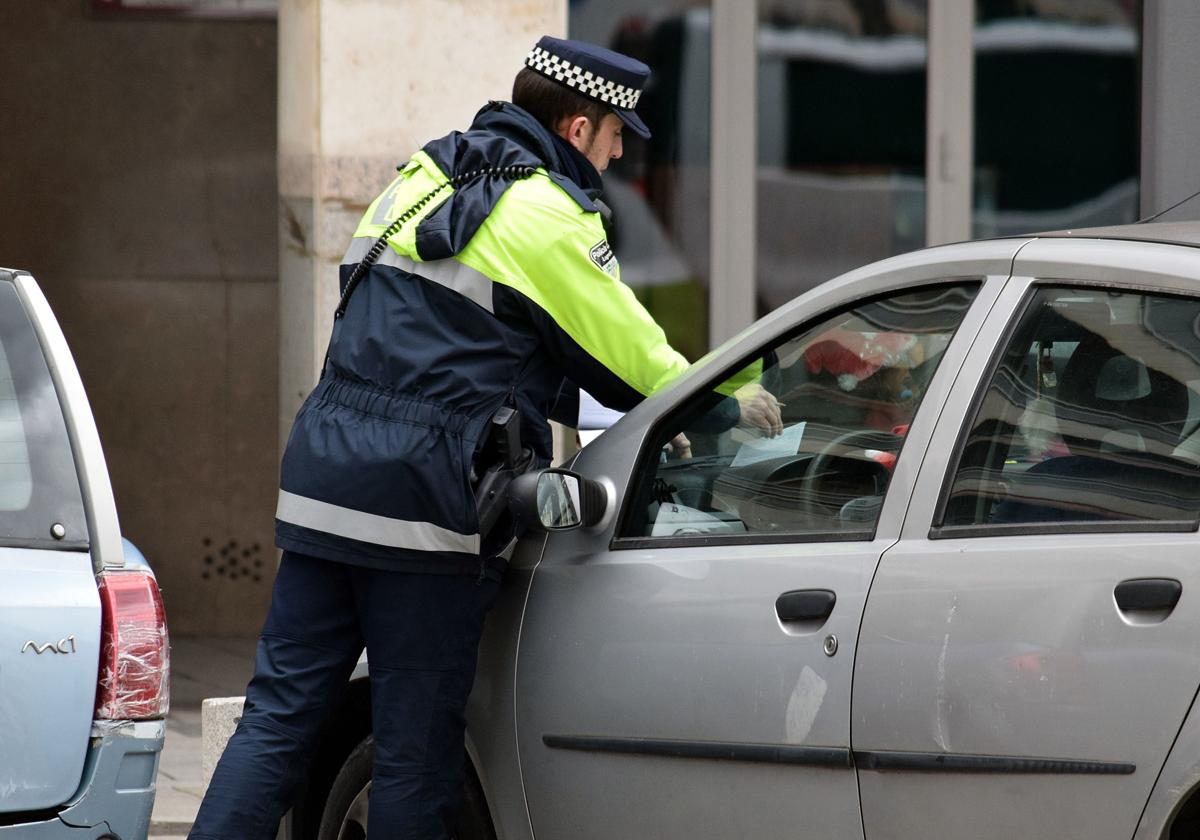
{"x":500,"y":460}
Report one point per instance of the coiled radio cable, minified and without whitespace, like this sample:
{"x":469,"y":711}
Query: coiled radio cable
{"x":508,"y":173}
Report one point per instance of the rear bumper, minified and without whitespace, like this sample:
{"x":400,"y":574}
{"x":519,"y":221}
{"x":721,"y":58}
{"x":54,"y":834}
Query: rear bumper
{"x":116,"y":794}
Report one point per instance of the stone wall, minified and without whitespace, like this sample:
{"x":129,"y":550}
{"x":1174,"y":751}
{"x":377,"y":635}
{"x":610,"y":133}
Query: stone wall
{"x":138,"y":181}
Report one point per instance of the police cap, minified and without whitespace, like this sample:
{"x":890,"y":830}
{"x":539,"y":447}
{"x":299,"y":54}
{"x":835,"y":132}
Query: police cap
{"x":603,"y":75}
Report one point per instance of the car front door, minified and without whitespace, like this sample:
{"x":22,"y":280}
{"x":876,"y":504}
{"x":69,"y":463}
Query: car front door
{"x":684,"y":667}
{"x":1028,"y":649}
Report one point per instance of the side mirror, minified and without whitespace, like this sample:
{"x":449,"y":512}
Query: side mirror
{"x":557,"y":500}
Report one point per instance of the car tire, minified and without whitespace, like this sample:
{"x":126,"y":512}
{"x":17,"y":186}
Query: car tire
{"x":345,"y":814}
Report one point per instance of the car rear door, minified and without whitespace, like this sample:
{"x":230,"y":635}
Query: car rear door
{"x":49,"y":606}
{"x":684,"y":668}
{"x":1028,"y":649}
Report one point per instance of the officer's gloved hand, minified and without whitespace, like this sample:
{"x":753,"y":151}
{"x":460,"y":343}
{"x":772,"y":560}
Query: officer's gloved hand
{"x":760,"y":409}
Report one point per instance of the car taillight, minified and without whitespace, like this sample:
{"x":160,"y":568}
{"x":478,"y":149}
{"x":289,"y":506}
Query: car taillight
{"x":134,"y":651}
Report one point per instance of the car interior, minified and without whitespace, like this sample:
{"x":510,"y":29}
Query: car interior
{"x":1092,"y":416}
{"x":848,"y":389}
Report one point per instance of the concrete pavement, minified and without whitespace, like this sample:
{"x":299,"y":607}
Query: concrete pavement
{"x":200,"y":667}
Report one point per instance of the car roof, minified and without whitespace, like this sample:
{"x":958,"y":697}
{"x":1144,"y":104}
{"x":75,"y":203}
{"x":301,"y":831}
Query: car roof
{"x":1174,"y":233}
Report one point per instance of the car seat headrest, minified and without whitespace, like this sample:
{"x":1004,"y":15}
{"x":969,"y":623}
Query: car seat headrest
{"x":1122,"y":379}
{"x":1102,"y":390}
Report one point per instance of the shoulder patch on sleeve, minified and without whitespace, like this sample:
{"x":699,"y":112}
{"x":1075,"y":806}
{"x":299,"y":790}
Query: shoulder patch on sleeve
{"x":604,"y":258}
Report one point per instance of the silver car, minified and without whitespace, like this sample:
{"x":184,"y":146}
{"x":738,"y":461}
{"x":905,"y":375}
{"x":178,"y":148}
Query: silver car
{"x":83,"y":637}
{"x":957,"y":596}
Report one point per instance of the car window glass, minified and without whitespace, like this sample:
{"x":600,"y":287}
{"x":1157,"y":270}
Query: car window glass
{"x":1092,"y":415}
{"x":16,"y":481}
{"x":846,"y":390}
{"x":38,"y":485}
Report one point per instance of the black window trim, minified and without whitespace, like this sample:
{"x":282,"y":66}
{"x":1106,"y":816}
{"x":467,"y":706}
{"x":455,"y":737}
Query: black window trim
{"x":706,"y":540}
{"x":45,"y":544}
{"x":1033,"y":529}
{"x":620,"y":543}
{"x":940,"y":531}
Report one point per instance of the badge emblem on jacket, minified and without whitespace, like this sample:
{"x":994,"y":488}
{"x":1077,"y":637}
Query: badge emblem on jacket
{"x":602,"y":255}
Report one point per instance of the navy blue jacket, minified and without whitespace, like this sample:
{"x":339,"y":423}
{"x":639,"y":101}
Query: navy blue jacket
{"x":450,"y":324}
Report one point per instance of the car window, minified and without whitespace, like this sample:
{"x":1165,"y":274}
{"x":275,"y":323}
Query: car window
{"x":38,"y":485}
{"x":1091,"y":415}
{"x":847,"y":388}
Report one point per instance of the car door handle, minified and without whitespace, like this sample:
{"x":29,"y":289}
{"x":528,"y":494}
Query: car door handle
{"x":1148,"y":594}
{"x":805,"y":604}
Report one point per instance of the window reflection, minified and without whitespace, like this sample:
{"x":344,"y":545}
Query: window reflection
{"x":659,"y":189}
{"x":1056,"y":115}
{"x":841,"y":148}
{"x":16,"y":480}
{"x":1091,"y":416}
{"x":846,"y":388}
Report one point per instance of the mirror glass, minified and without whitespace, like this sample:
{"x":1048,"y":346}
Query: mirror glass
{"x":558,"y":500}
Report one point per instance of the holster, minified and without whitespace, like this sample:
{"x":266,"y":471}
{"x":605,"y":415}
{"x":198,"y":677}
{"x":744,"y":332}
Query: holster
{"x":499,"y":461}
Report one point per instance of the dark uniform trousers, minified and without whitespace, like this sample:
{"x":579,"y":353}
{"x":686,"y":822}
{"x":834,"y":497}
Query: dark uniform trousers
{"x":421,"y":632}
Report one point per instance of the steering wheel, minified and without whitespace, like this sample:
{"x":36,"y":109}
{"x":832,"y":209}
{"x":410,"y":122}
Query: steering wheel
{"x":884,"y":441}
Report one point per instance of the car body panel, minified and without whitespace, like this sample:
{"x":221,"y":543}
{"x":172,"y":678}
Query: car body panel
{"x":1013,"y":647}
{"x":1163,"y":267}
{"x":661,"y":651}
{"x":683,"y":646}
{"x":491,"y":716}
{"x":117,"y":789}
{"x":987,"y":652}
{"x":1174,"y":233}
{"x":1178,"y":781}
{"x":49,"y":658}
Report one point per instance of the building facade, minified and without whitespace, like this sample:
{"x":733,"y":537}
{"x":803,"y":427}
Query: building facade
{"x":182,"y":178}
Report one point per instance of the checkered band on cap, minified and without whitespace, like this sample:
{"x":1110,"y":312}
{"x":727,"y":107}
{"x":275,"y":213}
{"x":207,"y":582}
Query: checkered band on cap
{"x":584,"y":81}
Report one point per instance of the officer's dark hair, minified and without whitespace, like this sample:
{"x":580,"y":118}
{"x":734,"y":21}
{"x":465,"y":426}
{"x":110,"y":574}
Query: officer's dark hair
{"x":550,"y":101}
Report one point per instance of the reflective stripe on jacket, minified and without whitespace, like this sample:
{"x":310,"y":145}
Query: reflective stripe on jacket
{"x":492,"y":295}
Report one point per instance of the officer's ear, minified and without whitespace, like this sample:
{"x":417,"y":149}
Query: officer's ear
{"x":578,"y":131}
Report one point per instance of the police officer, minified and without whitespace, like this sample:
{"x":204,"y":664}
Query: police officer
{"x":476,"y":282}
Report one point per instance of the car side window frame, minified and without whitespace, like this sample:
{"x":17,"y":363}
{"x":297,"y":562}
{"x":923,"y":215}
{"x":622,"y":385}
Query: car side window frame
{"x":940,"y":531}
{"x":649,"y":454}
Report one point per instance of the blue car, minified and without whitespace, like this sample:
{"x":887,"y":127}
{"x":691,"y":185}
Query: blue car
{"x":84,"y":656}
